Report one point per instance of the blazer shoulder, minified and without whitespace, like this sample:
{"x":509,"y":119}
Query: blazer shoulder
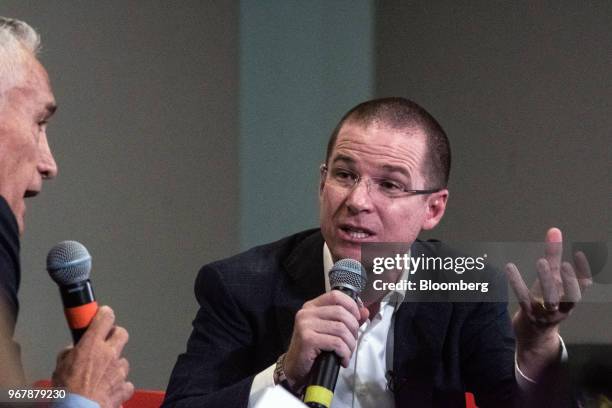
{"x":256,"y":267}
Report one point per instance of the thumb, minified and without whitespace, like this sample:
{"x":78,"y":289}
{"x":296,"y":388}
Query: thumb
{"x":364,"y":314}
{"x":62,"y":354}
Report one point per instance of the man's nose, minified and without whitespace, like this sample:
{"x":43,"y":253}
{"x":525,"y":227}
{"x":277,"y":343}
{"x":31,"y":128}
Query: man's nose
{"x":47,"y":167}
{"x":359,"y":198}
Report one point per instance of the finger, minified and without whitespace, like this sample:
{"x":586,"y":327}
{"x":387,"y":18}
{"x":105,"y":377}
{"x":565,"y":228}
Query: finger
{"x":345,"y":301}
{"x":125,"y":365}
{"x":113,"y":380}
{"x":553,"y":250}
{"x":121,"y":392}
{"x":128,"y":391}
{"x":118,"y":338}
{"x":519,"y":287}
{"x":583,"y":269}
{"x":62,"y":354}
{"x":335,"y":313}
{"x":120,"y":370}
{"x":100,"y":326}
{"x":550,"y":293}
{"x":339,"y":313}
{"x":336,"y":297}
{"x":365,"y":313}
{"x":336,"y":345}
{"x":570,"y":283}
{"x":336,"y":329}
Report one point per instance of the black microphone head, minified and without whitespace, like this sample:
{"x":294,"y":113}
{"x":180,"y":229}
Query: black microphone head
{"x":348,"y":273}
{"x":68,"y":262}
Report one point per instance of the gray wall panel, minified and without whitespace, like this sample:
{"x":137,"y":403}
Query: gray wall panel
{"x":146,"y":142}
{"x":523,"y":89}
{"x":302,"y":65}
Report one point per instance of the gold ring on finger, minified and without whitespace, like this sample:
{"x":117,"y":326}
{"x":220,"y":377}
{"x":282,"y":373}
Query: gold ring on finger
{"x":546,"y":307}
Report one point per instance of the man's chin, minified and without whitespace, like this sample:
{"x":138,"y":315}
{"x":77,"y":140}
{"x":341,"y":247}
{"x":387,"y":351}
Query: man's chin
{"x":352,"y":252}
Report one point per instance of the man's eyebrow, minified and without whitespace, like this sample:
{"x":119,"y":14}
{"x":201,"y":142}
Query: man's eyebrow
{"x":343,"y":158}
{"x":387,"y":167}
{"x":396,"y":169}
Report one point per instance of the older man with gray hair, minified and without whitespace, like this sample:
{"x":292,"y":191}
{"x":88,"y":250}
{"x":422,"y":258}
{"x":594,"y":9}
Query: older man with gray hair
{"x":93,"y":371}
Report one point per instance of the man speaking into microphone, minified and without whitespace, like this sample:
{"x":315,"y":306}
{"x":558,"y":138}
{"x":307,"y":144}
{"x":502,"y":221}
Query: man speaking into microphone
{"x":93,"y":371}
{"x":266,"y":315}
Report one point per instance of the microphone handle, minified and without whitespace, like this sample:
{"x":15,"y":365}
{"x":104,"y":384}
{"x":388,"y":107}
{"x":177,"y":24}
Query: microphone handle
{"x":80,"y":307}
{"x":320,"y":391}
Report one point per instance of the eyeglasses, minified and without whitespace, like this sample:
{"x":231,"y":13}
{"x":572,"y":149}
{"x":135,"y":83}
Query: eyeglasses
{"x":387,"y":187}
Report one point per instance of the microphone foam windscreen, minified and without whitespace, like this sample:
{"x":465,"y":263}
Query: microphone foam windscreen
{"x":68,"y":262}
{"x":348,"y":273}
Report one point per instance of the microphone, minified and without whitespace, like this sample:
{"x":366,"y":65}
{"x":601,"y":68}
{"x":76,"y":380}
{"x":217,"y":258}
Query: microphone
{"x":69,"y":264}
{"x":348,"y":276}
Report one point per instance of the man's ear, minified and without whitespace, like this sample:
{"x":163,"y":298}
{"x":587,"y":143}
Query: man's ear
{"x":436,"y":206}
{"x":322,"y":176}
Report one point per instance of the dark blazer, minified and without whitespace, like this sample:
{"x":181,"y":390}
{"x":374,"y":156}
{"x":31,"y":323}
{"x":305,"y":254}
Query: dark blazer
{"x":11,"y":370}
{"x":247,"y":308}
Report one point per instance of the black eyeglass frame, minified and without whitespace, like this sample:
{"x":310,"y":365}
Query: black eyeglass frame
{"x":406,"y":192}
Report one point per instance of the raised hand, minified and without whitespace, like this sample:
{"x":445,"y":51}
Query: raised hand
{"x":552,"y":297}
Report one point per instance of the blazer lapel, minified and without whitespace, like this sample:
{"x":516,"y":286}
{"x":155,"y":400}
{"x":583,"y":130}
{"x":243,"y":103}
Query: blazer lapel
{"x":419,"y":333}
{"x":302,"y":280}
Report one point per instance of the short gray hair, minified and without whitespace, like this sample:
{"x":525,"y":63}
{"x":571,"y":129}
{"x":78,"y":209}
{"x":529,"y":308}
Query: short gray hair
{"x":18,"y":41}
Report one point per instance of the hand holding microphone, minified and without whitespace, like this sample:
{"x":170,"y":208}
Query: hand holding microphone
{"x":93,"y":368}
{"x":325,"y":334}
